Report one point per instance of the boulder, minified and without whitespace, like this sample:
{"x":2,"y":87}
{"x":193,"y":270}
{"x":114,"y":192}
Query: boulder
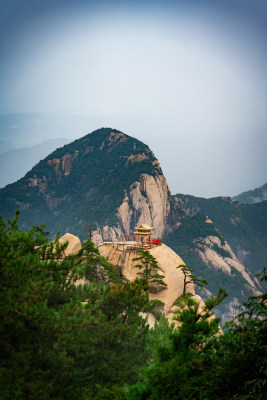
{"x":168,"y":261}
{"x":73,"y":248}
{"x":74,"y":243}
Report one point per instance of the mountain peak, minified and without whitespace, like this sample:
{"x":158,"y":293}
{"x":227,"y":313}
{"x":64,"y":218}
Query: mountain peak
{"x":87,"y":182}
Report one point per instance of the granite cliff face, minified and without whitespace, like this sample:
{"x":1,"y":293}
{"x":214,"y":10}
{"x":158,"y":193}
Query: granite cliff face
{"x":149,"y":199}
{"x":168,"y":262}
{"x":220,"y":256}
{"x":62,"y":166}
{"x":219,"y":259}
{"x":121,"y":255}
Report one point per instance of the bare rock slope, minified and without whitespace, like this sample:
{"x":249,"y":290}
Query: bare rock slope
{"x":121,"y":255}
{"x":146,"y":201}
{"x":168,"y":261}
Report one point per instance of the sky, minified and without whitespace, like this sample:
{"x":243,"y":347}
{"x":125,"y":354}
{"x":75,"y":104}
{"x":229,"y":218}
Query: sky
{"x":188,"y":78}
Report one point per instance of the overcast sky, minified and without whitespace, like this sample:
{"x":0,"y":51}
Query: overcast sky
{"x":186,"y":77}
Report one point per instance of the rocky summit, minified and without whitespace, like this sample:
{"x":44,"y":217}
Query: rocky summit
{"x":107,"y":182}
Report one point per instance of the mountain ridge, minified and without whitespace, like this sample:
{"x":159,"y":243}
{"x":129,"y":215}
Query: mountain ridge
{"x":24,"y":159}
{"x":252,"y":196}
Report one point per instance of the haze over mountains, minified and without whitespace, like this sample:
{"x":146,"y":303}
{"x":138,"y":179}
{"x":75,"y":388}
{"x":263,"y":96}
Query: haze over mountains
{"x":15,"y":163}
{"x":253,"y":196}
{"x":111,"y":182}
{"x":194,"y":164}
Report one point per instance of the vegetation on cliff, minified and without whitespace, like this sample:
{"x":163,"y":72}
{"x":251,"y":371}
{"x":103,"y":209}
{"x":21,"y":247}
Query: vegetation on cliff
{"x":79,"y":184}
{"x":65,"y":341}
{"x":194,"y":362}
{"x":149,"y":270}
{"x":242,"y":226}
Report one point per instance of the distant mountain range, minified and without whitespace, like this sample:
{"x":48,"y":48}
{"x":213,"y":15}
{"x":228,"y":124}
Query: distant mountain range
{"x":15,"y":163}
{"x":253,"y":196}
{"x":109,"y":182}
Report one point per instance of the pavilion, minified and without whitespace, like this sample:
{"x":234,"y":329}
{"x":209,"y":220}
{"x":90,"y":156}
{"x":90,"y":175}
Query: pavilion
{"x":143,"y":235}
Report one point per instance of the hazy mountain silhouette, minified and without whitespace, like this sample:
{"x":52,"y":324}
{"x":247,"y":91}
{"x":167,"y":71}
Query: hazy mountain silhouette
{"x":253,"y":196}
{"x":15,"y":163}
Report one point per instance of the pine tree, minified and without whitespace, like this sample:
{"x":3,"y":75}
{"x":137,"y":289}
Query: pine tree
{"x":98,"y":268}
{"x":149,"y":269}
{"x":241,"y":353}
{"x":196,"y":362}
{"x":60,"y":340}
{"x":190,"y":278}
{"x":176,"y":372}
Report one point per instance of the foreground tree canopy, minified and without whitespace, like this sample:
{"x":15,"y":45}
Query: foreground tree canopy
{"x":61,"y":340}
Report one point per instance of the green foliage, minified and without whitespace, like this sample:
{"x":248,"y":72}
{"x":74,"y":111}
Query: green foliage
{"x":192,"y":228}
{"x":149,"y":270}
{"x":256,"y":217}
{"x":222,"y":252}
{"x":187,"y":240}
{"x":98,"y":268}
{"x":195,"y":362}
{"x":176,"y":372}
{"x":242,"y":226}
{"x":242,"y":351}
{"x":190,"y":278}
{"x":62,"y":340}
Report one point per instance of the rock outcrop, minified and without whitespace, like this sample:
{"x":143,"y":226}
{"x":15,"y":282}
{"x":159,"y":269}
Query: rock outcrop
{"x":74,"y":246}
{"x":63,"y":165}
{"x":219,"y":256}
{"x":121,"y":255}
{"x":168,"y":261}
{"x":74,"y":243}
{"x":107,"y":233}
{"x":146,"y":201}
